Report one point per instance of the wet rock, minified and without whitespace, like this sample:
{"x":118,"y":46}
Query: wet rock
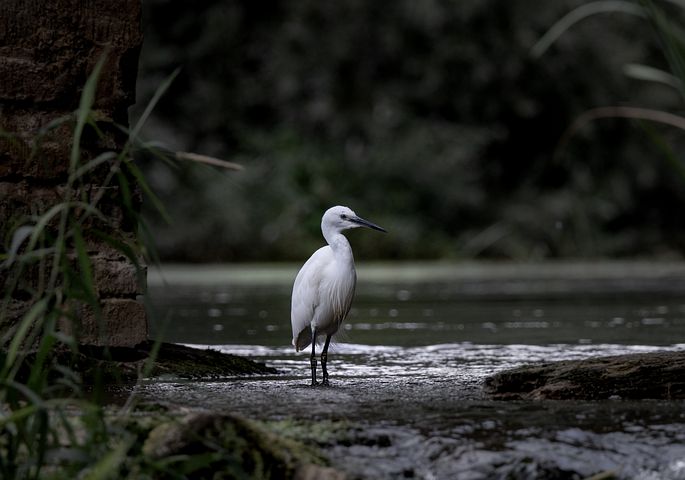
{"x":114,"y":365}
{"x":657,"y":375}
{"x":317,"y":472}
{"x":194,"y":363}
{"x":228,"y":446}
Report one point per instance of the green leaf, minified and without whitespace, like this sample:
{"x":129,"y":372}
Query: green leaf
{"x":94,"y":163}
{"x":672,"y":41}
{"x":18,"y":237}
{"x":38,"y":373}
{"x":85,"y":267}
{"x":18,"y":415}
{"x":159,"y":206}
{"x":29,"y":394}
{"x":110,"y":464}
{"x":43,"y":222}
{"x":85,"y":106}
{"x":50,"y":214}
{"x":27,"y":323}
{"x":576,"y":15}
{"x":216,"y":162}
{"x":164,"y":86}
{"x":651,"y":74}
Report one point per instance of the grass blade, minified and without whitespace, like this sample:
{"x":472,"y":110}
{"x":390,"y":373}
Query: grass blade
{"x":19,"y":236}
{"x":28,"y":322}
{"x":216,"y":162}
{"x":578,"y":14}
{"x":632,"y":113}
{"x":651,"y":74}
{"x":156,"y":202}
{"x":109,"y":465}
{"x":671,"y":39}
{"x":60,"y":208}
{"x":83,"y":112}
{"x":85,"y":267}
{"x":161,"y":90}
{"x":94,"y":163}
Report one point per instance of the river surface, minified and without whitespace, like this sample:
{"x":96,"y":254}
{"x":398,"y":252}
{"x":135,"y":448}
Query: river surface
{"x":406,"y":397}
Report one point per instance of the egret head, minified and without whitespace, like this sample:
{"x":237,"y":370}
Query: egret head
{"x":342,"y":218}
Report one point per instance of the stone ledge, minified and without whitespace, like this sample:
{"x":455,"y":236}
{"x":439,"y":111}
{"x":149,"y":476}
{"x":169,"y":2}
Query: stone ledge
{"x":116,"y":365}
{"x":658,"y":375}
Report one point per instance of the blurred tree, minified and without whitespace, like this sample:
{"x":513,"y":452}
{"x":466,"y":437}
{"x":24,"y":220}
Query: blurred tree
{"x":430,"y":118}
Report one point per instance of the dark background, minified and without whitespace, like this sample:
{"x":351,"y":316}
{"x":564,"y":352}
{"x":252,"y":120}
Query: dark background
{"x":429,"y":118}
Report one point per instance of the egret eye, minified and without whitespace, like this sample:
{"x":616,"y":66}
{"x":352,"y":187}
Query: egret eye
{"x":343,"y":216}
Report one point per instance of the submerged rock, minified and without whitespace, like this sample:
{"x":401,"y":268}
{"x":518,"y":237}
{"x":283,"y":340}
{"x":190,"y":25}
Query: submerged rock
{"x":657,"y":375}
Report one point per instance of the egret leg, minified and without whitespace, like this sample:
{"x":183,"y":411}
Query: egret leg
{"x":312,"y":359}
{"x":324,"y":360}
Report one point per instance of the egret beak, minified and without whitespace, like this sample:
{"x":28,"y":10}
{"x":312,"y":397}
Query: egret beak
{"x":366,"y":223}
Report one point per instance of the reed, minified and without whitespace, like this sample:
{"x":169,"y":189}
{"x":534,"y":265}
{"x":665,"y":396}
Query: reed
{"x":49,"y":426}
{"x":671,"y":34}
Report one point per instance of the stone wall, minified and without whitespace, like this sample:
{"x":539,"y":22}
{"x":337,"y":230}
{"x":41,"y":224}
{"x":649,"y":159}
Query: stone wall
{"x":47,"y":50}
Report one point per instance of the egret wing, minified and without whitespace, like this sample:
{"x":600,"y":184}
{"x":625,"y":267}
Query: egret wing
{"x":306,"y":296}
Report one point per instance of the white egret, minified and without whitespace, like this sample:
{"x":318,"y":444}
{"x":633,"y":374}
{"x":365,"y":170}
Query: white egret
{"x":324,"y":286}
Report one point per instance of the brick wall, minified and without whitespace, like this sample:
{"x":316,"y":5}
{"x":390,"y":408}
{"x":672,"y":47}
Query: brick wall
{"x":47,"y":50}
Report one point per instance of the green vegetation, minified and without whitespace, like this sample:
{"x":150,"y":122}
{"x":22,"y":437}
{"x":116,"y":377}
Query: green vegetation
{"x":431,"y":118}
{"x":47,"y":428}
{"x":54,"y":422}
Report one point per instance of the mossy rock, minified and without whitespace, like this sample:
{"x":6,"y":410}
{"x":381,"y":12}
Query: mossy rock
{"x":195,"y":363}
{"x":213,"y":445}
{"x":657,"y":375}
{"x":114,"y":365}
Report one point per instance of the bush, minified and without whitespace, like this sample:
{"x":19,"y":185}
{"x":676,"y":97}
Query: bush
{"x":431,"y":119}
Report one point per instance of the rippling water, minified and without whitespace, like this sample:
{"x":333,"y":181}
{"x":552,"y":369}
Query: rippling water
{"x":411,"y":360}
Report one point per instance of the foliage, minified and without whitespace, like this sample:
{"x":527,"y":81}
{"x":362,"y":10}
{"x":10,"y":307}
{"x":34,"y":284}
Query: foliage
{"x":430,"y":118}
{"x":46,"y":264}
{"x":53,"y":424}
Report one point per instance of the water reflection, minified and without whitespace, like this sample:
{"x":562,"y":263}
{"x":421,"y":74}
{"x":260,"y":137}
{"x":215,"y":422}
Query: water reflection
{"x":245,"y":314}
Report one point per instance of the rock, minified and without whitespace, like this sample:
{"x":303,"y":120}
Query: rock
{"x":111,"y":366}
{"x":124,"y":364}
{"x":195,"y":363}
{"x":311,"y":471}
{"x":229,"y":446}
{"x":658,"y":375}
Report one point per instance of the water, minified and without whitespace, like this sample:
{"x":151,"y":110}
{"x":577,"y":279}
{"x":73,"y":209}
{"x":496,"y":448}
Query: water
{"x":408,"y":369}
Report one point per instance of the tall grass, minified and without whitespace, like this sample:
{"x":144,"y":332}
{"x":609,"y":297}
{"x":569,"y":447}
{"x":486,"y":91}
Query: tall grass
{"x":49,"y":427}
{"x":48,"y":267}
{"x":670,"y":30}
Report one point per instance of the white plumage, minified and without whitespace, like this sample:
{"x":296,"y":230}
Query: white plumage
{"x":324,"y":286}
